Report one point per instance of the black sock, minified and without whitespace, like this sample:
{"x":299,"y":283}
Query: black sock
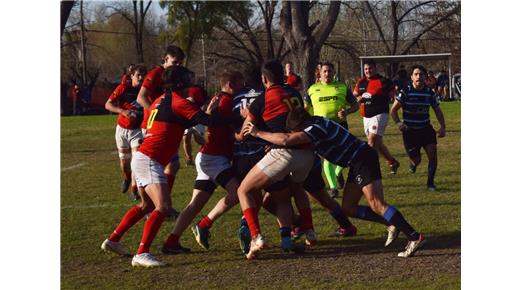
{"x":340,"y":217}
{"x":393,"y":216}
{"x":366,"y":213}
{"x":432,"y":168}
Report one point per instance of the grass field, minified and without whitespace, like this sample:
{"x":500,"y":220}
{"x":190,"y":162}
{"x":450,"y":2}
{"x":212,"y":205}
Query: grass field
{"x":91,"y":206}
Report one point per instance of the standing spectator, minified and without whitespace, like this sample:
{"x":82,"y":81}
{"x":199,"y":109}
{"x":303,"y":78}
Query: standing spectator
{"x":415,"y":100}
{"x":402,"y":79}
{"x":128,"y":133}
{"x":431,"y":81}
{"x":443,"y":81}
{"x":374,"y":93}
{"x":75,"y":96}
{"x":335,"y":101}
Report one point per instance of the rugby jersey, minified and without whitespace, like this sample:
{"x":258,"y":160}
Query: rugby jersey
{"x":327,"y":99}
{"x":333,"y":142}
{"x":375,"y":93}
{"x":416,"y":105}
{"x":250,"y":145}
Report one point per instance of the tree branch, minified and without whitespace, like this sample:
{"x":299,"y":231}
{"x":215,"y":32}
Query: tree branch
{"x":376,"y":22}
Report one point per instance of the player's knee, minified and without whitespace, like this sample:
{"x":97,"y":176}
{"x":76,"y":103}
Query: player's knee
{"x":125,"y":155}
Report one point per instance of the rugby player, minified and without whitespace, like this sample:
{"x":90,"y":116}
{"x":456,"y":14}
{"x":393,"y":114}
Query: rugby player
{"x":169,"y":116}
{"x":333,"y":142}
{"x":373,"y":92}
{"x":128,"y":135}
{"x":333,"y":100}
{"x":272,"y":109}
{"x":415,"y":101}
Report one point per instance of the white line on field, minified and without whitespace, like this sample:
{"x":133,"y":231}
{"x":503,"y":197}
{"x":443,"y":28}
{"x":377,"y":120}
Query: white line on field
{"x":74,"y":166}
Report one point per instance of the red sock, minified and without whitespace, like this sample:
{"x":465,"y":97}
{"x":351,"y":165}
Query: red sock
{"x":390,"y":162}
{"x":252,"y":221}
{"x":171,"y":181}
{"x":172,"y":241}
{"x":151,"y":227}
{"x":205,"y":222}
{"x":131,"y":217}
{"x":306,"y":219}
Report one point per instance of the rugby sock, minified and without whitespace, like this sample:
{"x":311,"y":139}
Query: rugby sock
{"x":340,"y":217}
{"x":172,"y":241}
{"x":394,"y":217}
{"x":366,"y":213}
{"x":171,"y":181}
{"x":330,"y":174}
{"x":391,"y":161}
{"x":205,"y":223}
{"x":252,"y":221}
{"x":338,"y":170}
{"x":432,"y":168}
{"x":151,"y":227}
{"x":306,"y":218}
{"x":285,"y":234}
{"x":131,"y":217}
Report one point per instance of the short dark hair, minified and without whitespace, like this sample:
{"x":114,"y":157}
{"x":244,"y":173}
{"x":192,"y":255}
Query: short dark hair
{"x":329,"y":64}
{"x":370,"y":62}
{"x":230,"y":76}
{"x":253,"y":77}
{"x":137,"y":67}
{"x":174,"y":51}
{"x":176,"y":77}
{"x":420,"y":67}
{"x":273,"y":71}
{"x":296,"y":117}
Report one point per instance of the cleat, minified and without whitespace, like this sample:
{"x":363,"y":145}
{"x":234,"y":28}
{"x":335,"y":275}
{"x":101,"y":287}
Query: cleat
{"x":201,"y":235}
{"x":125,"y":184}
{"x":172,"y":214}
{"x":115,"y":247}
{"x":174,"y":250}
{"x":257,"y":244}
{"x":394,"y":166}
{"x":289,"y":246}
{"x":412,"y":247}
{"x":341,"y":180}
{"x":333,"y":192}
{"x":146,"y":260}
{"x":244,"y":236}
{"x":296,"y":233}
{"x":432,"y":187}
{"x":310,"y":238}
{"x":393,"y":233}
{"x":412,"y":168}
{"x":345,"y":232}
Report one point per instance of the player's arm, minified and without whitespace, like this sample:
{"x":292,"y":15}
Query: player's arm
{"x":354,"y":105}
{"x":395,"y":116}
{"x":142,"y":98}
{"x":440,"y":118}
{"x":240,"y":136}
{"x":112,"y":104}
{"x":283,"y":139}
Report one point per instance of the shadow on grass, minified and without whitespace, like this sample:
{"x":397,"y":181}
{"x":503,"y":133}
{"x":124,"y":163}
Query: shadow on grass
{"x":361,"y":247}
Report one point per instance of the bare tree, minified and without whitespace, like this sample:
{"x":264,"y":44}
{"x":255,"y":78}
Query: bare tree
{"x":305,"y":40}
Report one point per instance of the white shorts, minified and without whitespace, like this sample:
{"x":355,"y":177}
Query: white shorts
{"x":197,"y":129}
{"x":210,"y":166}
{"x":376,"y":125}
{"x":128,"y":138}
{"x":146,"y":170}
{"x":280,"y":162}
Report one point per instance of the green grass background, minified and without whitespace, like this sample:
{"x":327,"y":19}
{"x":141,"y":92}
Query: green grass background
{"x":91,"y":206}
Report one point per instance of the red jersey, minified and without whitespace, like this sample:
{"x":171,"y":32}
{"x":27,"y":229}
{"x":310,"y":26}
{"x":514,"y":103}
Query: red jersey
{"x":153,"y":83}
{"x":169,"y":116}
{"x":375,"y":94}
{"x":220,"y":137}
{"x":293,"y":80}
{"x":126,"y":96}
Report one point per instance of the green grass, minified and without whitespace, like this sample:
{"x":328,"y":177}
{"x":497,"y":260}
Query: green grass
{"x":91,"y":206}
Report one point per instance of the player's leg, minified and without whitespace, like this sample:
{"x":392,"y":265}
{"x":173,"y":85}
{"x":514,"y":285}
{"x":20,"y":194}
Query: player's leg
{"x":170,"y":171}
{"x":304,"y":208}
{"x":411,"y":142}
{"x":136,"y":139}
{"x":125,"y":157}
{"x":330,"y":174}
{"x":430,"y":147}
{"x":375,"y":128}
{"x":186,"y":145}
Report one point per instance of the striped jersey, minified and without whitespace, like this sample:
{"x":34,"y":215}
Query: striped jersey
{"x":416,"y":105}
{"x":250,"y":145}
{"x":333,"y":142}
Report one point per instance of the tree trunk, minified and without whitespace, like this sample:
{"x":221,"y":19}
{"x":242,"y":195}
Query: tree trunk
{"x":65,"y":7}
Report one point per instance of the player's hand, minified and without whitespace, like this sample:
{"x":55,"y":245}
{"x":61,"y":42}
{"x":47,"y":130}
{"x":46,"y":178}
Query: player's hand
{"x":442,"y":132}
{"x":244,"y":111}
{"x":250,"y":129}
{"x":210,"y":105}
{"x":402,"y":126}
{"x":126,"y":113}
{"x":342,"y":113}
{"x":360,"y":99}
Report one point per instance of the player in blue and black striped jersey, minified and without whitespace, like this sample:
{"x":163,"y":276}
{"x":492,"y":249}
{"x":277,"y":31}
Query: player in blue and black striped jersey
{"x":415,"y":100}
{"x":334,"y":143}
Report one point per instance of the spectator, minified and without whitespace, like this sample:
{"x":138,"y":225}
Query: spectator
{"x":443,"y":81}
